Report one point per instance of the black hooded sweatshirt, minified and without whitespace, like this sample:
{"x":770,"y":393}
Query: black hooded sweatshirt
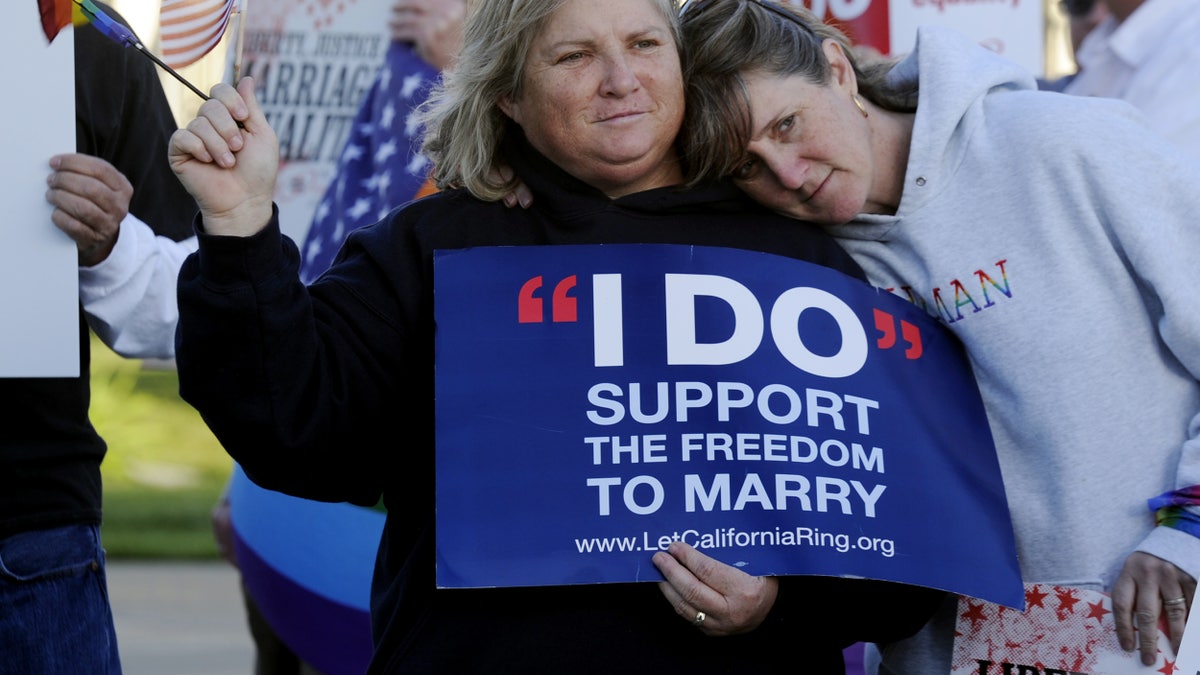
{"x":326,"y":393}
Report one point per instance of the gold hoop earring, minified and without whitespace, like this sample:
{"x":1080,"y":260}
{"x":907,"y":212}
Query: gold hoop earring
{"x":858,"y":102}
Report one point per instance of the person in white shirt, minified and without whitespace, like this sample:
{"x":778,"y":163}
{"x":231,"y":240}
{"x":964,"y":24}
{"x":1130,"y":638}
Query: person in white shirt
{"x":1145,"y":53}
{"x":1082,"y":16}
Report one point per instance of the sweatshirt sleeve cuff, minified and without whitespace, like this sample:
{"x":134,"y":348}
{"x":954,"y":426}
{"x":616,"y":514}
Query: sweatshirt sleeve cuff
{"x":1176,"y":547}
{"x":226,"y":260}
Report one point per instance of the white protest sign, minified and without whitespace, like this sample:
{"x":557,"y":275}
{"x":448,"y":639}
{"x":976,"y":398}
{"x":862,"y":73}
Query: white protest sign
{"x":39,"y":280}
{"x":1188,"y":660}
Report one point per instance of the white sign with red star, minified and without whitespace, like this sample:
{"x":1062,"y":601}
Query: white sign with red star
{"x":1063,"y":631}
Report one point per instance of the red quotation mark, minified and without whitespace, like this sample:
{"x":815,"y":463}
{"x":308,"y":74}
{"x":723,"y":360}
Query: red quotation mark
{"x":886,"y":323}
{"x":564,"y":307}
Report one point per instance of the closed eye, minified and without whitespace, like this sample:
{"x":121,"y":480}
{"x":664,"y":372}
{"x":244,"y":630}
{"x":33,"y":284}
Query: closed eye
{"x":745,"y":170}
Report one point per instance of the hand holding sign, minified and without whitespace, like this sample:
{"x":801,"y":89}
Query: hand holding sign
{"x":731,"y":601}
{"x":741,"y":403}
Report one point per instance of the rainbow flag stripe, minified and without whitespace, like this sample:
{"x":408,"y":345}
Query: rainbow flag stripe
{"x":308,"y":567}
{"x":57,"y":15}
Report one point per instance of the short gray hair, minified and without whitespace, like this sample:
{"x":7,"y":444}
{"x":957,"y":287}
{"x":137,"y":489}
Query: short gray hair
{"x":727,"y":39}
{"x":462,"y":121}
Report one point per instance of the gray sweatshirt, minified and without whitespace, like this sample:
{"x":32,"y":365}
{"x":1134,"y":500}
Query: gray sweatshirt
{"x":1055,"y":235}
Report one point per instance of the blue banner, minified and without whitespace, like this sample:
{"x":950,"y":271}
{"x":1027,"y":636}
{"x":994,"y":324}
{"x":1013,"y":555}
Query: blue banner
{"x":595,"y":403}
{"x":308,"y":567}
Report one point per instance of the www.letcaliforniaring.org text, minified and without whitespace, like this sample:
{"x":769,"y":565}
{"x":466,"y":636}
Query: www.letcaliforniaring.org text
{"x":731,"y":537}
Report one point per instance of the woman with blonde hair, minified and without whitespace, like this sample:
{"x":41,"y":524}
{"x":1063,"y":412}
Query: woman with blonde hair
{"x":583,"y":100}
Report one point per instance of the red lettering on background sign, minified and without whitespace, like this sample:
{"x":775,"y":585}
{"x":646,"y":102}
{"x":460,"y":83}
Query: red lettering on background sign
{"x":866,"y":22}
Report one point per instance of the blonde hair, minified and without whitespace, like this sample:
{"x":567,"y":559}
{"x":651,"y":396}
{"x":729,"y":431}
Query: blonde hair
{"x":463,"y":124}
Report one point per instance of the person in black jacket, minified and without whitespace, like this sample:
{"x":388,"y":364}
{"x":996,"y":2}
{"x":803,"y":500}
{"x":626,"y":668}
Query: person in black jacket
{"x":56,"y":616}
{"x":325,"y":391}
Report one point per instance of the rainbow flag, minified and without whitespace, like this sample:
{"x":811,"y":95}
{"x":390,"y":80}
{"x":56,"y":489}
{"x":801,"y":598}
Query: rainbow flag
{"x":57,"y":15}
{"x":308,"y":566}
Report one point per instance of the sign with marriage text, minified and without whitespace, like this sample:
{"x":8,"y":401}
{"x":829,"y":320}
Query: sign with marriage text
{"x":596,"y":403}
{"x":313,"y":61}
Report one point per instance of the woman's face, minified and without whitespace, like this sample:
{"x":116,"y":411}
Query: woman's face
{"x":809,"y":156}
{"x":602,"y":95}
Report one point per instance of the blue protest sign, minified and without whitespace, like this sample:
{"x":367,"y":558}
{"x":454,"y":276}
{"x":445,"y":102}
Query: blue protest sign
{"x":595,"y":403}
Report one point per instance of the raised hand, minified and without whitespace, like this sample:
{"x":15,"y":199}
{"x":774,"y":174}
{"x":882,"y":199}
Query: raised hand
{"x":433,"y":27}
{"x":228,"y":159}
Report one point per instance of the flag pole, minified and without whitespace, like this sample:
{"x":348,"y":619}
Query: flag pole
{"x":171,"y":71}
{"x":120,"y":34}
{"x":240,"y":13}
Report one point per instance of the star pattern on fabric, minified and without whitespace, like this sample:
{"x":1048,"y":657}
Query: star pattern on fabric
{"x":387,"y":115}
{"x":1034,"y":595}
{"x":385,"y":79}
{"x":353,"y":152}
{"x":380,"y":166}
{"x":1066,"y":602}
{"x":324,"y":12}
{"x":1097,"y":611}
{"x":975,"y":613}
{"x":411,"y":124}
{"x":410,"y":85}
{"x":385,"y":152}
{"x":1061,"y":629}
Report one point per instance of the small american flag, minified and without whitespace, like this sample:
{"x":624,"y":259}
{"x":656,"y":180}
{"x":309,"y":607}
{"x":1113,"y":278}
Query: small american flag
{"x":191,"y":28}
